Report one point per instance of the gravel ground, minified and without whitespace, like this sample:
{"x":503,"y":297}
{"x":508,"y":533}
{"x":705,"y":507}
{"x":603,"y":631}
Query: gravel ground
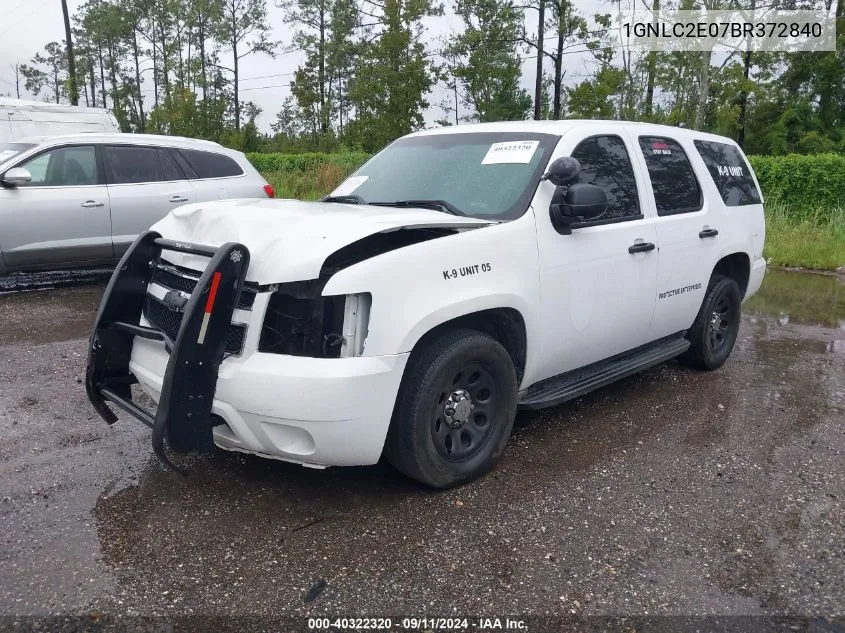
{"x":672,"y":493}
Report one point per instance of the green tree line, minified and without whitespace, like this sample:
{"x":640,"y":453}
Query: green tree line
{"x":370,"y":66}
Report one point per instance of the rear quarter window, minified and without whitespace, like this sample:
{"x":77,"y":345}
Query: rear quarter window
{"x":730,"y":173}
{"x":211,"y":165}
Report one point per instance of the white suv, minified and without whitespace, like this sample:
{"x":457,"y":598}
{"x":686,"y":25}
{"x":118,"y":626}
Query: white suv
{"x":82,"y":199}
{"x":459,"y":274}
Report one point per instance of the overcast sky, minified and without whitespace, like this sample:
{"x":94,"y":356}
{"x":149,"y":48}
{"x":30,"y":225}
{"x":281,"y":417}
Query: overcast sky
{"x":27,"y":25}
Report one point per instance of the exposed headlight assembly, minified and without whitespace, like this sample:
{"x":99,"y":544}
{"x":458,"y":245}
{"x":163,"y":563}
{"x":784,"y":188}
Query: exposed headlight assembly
{"x":301,"y":322}
{"x":356,"y":319}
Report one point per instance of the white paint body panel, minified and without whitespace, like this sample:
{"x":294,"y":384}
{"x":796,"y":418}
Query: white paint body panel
{"x":583,"y":297}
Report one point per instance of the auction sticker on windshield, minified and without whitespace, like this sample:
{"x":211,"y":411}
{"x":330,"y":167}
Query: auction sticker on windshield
{"x":349,"y":185}
{"x":510,"y":152}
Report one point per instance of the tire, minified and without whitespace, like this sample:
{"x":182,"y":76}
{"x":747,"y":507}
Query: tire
{"x":713,"y":334}
{"x":459,"y":370}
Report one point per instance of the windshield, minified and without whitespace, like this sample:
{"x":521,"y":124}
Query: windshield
{"x":480,"y":174}
{"x":9,"y":150}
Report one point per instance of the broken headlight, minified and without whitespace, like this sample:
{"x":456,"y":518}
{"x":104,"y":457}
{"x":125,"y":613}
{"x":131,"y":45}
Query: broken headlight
{"x":301,"y":322}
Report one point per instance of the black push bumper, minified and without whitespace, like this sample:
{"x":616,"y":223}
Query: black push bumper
{"x":184,"y":408}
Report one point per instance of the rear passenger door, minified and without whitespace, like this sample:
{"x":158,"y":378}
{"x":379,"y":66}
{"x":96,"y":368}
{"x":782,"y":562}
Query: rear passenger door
{"x":688,"y":245}
{"x":145,"y":184}
{"x":215,"y":176}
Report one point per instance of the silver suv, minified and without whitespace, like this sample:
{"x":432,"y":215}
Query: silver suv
{"x":80,"y":200}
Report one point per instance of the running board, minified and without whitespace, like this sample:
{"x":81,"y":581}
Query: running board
{"x":572,"y":384}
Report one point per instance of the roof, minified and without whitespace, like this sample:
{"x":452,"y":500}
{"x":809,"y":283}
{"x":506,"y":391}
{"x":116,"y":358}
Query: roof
{"x":120,"y":137}
{"x":563,"y":126}
{"x":25,"y":105}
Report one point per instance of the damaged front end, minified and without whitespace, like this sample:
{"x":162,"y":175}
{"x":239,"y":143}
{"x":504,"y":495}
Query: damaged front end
{"x":205,"y":312}
{"x":300,"y":321}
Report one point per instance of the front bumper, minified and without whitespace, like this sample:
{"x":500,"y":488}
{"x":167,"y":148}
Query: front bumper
{"x":312,"y":411}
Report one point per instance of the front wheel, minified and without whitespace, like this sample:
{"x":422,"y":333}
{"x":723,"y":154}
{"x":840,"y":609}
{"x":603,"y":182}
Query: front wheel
{"x":454,"y":411}
{"x":713,"y":334}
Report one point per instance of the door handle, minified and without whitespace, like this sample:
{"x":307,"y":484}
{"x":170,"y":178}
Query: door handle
{"x":641,"y":247}
{"x":90,"y":204}
{"x":178,"y":198}
{"x":708,"y":233}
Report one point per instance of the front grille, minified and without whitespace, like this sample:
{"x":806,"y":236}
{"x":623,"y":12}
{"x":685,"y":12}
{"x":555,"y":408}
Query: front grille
{"x":168,"y":320}
{"x":178,"y":279}
{"x":162,"y":317}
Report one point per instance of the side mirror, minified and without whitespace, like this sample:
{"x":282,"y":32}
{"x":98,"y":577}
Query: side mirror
{"x":579,"y":203}
{"x":17,"y":176}
{"x":563,"y":171}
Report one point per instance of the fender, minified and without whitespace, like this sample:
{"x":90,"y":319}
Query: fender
{"x":421,"y":286}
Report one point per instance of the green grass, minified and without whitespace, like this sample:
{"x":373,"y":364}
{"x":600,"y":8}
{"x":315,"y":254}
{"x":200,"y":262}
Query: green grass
{"x":812,"y":239}
{"x":802,"y":238}
{"x":310,"y":184}
{"x":306,"y":176}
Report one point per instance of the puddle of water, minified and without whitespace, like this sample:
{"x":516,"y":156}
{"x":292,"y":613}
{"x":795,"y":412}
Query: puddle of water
{"x":47,"y":316}
{"x":800,"y":297}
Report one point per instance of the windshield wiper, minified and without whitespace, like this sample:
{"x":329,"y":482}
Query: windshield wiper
{"x":437,"y":205}
{"x":348,"y":199}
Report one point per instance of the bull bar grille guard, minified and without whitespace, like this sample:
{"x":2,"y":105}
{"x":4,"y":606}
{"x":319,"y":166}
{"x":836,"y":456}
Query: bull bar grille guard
{"x":183,"y":414}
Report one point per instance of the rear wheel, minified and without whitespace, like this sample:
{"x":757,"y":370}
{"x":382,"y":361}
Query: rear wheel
{"x":455,"y":409}
{"x":713,"y":334}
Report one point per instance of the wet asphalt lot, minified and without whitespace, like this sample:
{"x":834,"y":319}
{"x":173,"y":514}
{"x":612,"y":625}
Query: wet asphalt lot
{"x":672,"y":492}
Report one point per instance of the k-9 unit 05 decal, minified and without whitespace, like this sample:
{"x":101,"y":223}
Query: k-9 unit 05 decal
{"x":467,"y":271}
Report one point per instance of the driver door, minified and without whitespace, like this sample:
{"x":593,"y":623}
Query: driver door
{"x":597,"y":285}
{"x":62,"y":217}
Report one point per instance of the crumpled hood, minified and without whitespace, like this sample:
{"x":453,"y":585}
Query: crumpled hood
{"x":289,"y":240}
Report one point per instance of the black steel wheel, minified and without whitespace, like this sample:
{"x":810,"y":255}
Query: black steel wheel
{"x":715,"y":329}
{"x":455,"y":409}
{"x":462,"y":412}
{"x":720,"y":324}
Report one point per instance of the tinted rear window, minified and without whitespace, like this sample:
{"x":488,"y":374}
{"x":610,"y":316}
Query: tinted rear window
{"x":673,"y":181}
{"x":131,"y":164}
{"x":211,"y":165}
{"x":730,"y":173}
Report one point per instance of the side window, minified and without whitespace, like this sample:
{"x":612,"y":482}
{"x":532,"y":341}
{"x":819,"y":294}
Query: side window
{"x":211,"y":165}
{"x":605,"y":163}
{"x":730,"y":173}
{"x":183,"y":164}
{"x":127,"y":164}
{"x":169,"y":170}
{"x":675,"y":186}
{"x":63,"y":167}
{"x":37,"y":167}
